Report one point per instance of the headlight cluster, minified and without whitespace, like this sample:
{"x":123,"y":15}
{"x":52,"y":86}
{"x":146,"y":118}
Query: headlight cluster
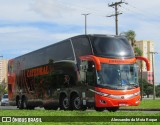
{"x":127,"y":96}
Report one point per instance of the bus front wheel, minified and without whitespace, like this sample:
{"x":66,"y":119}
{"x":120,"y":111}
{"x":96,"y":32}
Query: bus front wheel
{"x":99,"y":109}
{"x":50,"y":108}
{"x":112,"y":109}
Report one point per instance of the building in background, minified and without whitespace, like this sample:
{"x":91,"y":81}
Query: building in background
{"x":146,"y":46}
{"x":3,"y":71}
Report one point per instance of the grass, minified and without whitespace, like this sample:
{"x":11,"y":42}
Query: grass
{"x":147,"y":104}
{"x":70,"y":113}
{"x":75,"y":113}
{"x":31,"y":113}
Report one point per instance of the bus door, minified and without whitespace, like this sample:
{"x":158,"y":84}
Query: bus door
{"x":88,"y":79}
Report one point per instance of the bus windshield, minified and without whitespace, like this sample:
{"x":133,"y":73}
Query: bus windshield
{"x":112,"y":47}
{"x":118,"y":76}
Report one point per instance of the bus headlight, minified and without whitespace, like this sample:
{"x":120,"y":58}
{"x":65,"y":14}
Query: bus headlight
{"x":99,"y":93}
{"x":102,"y":94}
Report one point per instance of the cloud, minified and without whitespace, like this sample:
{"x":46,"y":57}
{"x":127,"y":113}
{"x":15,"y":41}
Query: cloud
{"x":70,"y":12}
{"x":37,"y":18}
{"x":20,"y":40}
{"x":16,"y":10}
{"x":50,"y":9}
{"x":27,"y":25}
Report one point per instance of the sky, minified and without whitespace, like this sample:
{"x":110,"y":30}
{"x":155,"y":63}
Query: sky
{"x":27,"y":25}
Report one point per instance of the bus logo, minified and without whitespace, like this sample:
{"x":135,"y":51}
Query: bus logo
{"x":122,"y":97}
{"x":6,"y":119}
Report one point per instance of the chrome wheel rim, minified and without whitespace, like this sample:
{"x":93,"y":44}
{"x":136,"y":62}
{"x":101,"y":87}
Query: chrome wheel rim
{"x":65,"y":103}
{"x":77,"y":103}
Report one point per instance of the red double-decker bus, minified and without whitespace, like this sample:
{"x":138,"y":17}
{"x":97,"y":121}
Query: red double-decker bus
{"x":84,"y":71}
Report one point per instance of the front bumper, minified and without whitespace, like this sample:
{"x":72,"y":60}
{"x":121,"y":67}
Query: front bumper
{"x":102,"y":101}
{"x":116,"y":98}
{"x":4,"y":103}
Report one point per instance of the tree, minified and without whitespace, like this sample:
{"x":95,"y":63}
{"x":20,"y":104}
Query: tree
{"x":158,"y":91}
{"x":130,"y":35}
{"x":147,"y":87}
{"x":149,"y":91}
{"x":138,"y":52}
{"x":3,"y":89}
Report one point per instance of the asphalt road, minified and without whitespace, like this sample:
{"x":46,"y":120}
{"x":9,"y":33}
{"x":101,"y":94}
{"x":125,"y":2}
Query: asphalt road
{"x":15,"y":108}
{"x":8,"y":107}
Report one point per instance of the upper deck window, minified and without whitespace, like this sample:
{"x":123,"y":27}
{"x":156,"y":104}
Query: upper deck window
{"x":112,"y":47}
{"x":81,"y":46}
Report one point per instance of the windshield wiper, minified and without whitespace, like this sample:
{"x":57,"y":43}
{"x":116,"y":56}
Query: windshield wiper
{"x":135,"y":85}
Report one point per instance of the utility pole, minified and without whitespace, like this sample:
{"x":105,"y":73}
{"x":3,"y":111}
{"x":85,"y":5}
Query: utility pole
{"x":141,"y":83}
{"x":154,"y":92}
{"x":85,"y":15}
{"x":115,"y":5}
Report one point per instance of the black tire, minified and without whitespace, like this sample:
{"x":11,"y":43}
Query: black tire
{"x":76,"y":103}
{"x":46,"y":108}
{"x":99,"y":109}
{"x":64,"y":103}
{"x":112,"y":109}
{"x":24,"y":103}
{"x":17,"y":102}
{"x":50,"y":108}
{"x":30,"y":107}
{"x":19,"y":105}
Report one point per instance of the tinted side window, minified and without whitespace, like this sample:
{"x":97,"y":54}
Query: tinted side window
{"x":56,"y":52}
{"x":61,"y":51}
{"x":81,"y":46}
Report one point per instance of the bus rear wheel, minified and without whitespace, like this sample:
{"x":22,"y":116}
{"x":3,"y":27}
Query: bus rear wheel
{"x":76,"y":103}
{"x":64,"y":103}
{"x":19,"y":104}
{"x":22,"y":104}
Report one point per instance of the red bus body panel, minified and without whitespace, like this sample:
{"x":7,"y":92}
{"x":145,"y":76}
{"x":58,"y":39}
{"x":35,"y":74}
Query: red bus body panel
{"x":111,"y":102}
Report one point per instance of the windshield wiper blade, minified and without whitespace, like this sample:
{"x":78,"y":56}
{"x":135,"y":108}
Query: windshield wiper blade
{"x":136,"y":85}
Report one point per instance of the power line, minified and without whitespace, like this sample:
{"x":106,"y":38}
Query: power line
{"x":142,"y":11}
{"x":97,"y":12}
{"x":140,"y":15}
{"x":115,"y":5}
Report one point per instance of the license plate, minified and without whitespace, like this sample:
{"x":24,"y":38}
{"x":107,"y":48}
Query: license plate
{"x":123,"y":104}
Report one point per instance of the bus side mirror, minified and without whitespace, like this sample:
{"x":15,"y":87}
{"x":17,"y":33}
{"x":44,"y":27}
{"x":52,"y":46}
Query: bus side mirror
{"x":144,"y":59}
{"x":83,"y":70}
{"x":84,"y":66}
{"x":92,"y":59}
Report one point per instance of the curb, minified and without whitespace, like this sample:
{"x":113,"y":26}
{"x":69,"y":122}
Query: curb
{"x":140,"y":109}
